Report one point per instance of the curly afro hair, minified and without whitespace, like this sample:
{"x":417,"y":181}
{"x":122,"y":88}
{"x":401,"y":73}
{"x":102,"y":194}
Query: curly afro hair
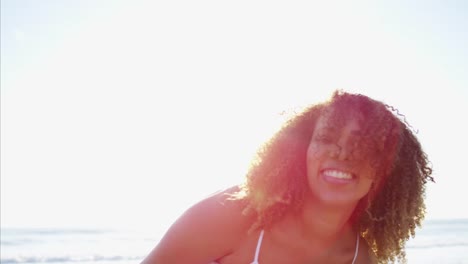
{"x":387,"y":216}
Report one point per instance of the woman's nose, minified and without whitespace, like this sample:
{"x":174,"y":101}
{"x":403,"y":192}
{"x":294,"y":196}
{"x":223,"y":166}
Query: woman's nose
{"x":340,"y":152}
{"x":335,"y":151}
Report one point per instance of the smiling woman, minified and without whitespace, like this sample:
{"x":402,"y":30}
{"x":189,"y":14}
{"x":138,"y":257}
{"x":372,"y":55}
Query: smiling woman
{"x":341,"y":182}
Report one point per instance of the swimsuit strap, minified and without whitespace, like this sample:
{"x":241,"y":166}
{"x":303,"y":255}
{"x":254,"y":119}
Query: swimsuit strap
{"x":257,"y":251}
{"x":259,"y":243}
{"x":357,"y":248}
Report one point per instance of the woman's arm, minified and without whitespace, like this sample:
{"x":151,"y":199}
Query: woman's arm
{"x":207,"y":231}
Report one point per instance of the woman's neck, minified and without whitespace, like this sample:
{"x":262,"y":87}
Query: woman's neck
{"x":317,"y":229}
{"x":324,"y":221}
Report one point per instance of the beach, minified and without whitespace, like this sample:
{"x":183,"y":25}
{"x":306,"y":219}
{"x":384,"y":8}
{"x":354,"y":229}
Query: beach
{"x":438,"y":241}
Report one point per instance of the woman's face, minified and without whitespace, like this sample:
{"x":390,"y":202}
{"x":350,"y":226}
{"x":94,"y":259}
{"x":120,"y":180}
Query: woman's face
{"x":336,"y":173}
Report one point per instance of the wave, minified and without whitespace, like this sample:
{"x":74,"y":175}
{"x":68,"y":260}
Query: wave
{"x":438,"y":245}
{"x":54,"y":231}
{"x":67,"y":259}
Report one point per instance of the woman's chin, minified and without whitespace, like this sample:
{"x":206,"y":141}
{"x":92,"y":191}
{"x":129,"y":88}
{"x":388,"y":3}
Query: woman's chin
{"x":331,"y":198}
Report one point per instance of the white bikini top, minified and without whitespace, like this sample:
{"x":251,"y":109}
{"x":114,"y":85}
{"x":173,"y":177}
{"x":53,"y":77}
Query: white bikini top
{"x":259,"y":243}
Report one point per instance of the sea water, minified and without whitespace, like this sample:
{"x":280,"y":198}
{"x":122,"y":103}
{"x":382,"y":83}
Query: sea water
{"x":436,"y":242}
{"x":440,"y":242}
{"x":82,"y":246}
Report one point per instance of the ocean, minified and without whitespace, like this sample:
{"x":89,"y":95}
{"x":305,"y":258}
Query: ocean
{"x":441,"y":241}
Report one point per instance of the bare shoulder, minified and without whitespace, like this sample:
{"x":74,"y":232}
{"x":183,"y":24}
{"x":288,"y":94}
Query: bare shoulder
{"x":208,"y":230}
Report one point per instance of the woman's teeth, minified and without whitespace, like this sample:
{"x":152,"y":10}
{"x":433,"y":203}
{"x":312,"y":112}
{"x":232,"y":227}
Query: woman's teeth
{"x":338,"y":174}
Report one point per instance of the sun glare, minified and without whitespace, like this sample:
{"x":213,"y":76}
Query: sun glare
{"x":138,"y":111}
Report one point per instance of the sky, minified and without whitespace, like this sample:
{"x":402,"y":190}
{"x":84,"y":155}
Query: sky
{"x":124,"y":113}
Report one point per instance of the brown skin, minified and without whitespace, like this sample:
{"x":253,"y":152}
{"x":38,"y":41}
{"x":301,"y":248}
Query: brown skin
{"x":216,"y":229}
{"x":210,"y":229}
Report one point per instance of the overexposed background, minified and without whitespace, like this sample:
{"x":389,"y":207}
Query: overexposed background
{"x":123,"y":113}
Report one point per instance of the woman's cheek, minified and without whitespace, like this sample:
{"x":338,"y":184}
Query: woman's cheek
{"x":313,"y":150}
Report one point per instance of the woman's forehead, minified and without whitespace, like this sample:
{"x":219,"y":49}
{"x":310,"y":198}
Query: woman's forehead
{"x":334,"y":121}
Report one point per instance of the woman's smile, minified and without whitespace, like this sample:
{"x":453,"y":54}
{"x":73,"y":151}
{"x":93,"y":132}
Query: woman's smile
{"x":337,"y":176}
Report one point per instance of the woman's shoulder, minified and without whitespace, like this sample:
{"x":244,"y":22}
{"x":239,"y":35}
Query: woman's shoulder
{"x":220,"y":212}
{"x":209,"y":229}
{"x":223,"y":200}
{"x":220,"y":208}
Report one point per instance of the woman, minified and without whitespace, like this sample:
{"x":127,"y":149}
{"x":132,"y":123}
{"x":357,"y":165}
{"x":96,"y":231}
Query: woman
{"x":341,"y":182}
